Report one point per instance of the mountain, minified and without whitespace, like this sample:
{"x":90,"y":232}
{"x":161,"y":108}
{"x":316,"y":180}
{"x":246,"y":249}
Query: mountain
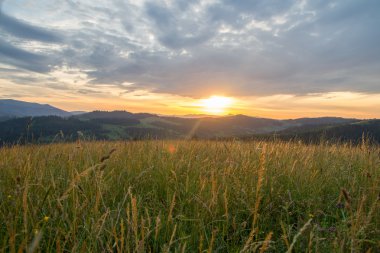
{"x":319,"y":121}
{"x":77,"y":112}
{"x":180,"y":127}
{"x":227,"y":126}
{"x":10,"y":108}
{"x":351,"y":132}
{"x":25,"y":122}
{"x":114,"y":115}
{"x":124,"y":125}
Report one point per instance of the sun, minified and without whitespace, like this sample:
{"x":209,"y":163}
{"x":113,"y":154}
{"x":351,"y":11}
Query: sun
{"x":216,"y":104}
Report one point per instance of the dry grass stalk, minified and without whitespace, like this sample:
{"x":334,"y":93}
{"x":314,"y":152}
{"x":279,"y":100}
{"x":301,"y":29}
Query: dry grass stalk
{"x":106,"y":157}
{"x":36,"y":241}
{"x":22,"y":248}
{"x":122,"y":235}
{"x":225,"y":194}
{"x":200,"y":244}
{"x":183,"y":250}
{"x":78,"y":177}
{"x":167,"y":249}
{"x":284,"y":235}
{"x":100,"y":223}
{"x":213,"y":189}
{"x":300,"y":232}
{"x":260,"y":179}
{"x":347,"y":198}
{"x":134,"y":219}
{"x":211,"y":245}
{"x":157,"y":227}
{"x":266,"y":242}
{"x":142,"y":232}
{"x":170,"y":214}
{"x":25,"y":206}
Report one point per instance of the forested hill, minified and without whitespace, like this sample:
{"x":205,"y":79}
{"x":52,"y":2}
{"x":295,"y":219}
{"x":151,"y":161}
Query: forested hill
{"x":352,"y":132}
{"x":122,"y":125}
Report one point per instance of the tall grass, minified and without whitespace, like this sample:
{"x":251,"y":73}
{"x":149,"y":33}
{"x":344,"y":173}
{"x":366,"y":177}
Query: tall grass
{"x":189,"y":196}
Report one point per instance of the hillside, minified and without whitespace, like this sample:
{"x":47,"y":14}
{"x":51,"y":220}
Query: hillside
{"x":45,"y":123}
{"x":10,"y":108}
{"x":123,"y":125}
{"x":354,"y":132}
{"x":47,"y":129}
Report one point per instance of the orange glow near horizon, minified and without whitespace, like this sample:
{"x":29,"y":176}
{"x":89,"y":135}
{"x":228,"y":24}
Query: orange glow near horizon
{"x":283,"y":106}
{"x":278,"y":106}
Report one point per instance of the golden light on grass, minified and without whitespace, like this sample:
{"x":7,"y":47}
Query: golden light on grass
{"x":216,"y":104}
{"x":204,"y":196}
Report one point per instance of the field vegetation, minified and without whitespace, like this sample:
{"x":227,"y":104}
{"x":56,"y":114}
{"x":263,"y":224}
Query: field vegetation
{"x":190,"y":196}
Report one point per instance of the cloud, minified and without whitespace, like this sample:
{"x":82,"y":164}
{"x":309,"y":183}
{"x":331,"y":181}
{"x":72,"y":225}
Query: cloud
{"x":22,"y":58}
{"x":178,"y":29}
{"x":197,"y":48}
{"x":233,"y":10}
{"x":24,"y":30}
{"x":16,"y":32}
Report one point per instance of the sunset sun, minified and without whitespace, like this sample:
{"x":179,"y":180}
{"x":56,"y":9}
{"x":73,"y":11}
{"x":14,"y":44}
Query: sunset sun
{"x":216,"y":104}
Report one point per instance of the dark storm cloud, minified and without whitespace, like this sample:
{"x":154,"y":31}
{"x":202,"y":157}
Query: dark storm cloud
{"x":194,"y":48}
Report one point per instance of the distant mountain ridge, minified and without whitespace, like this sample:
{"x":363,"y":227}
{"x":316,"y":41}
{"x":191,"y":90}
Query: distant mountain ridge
{"x":44,"y":122}
{"x":355,"y":132}
{"x":10,"y":108}
{"x":208,"y":126}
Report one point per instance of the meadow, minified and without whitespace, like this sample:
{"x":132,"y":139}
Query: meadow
{"x":190,"y":196}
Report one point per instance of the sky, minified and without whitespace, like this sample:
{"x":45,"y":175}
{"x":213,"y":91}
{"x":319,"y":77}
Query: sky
{"x":278,"y":59}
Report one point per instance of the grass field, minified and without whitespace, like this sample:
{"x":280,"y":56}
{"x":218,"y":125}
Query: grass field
{"x":190,"y":196}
